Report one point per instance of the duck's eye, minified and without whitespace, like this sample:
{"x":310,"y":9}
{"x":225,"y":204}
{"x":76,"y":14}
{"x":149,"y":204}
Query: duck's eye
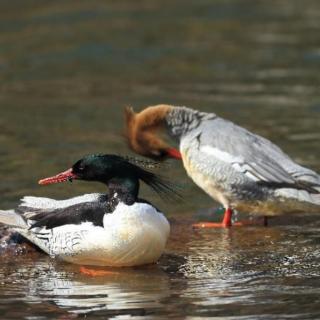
{"x":82,"y":167}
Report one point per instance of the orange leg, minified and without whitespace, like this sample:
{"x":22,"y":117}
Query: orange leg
{"x":96,"y":272}
{"x":226,"y":222}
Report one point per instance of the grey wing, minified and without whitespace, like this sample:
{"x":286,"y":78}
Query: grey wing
{"x":254,"y":156}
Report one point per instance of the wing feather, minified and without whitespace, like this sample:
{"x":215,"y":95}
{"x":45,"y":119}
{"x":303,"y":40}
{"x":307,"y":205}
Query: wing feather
{"x":254,"y":156}
{"x":49,"y":204}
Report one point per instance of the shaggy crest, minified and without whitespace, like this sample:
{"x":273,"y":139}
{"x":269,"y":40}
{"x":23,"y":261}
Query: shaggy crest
{"x":147,"y":164}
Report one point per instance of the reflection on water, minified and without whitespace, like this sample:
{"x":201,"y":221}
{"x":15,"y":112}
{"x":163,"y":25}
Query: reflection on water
{"x":123,"y":290}
{"x":67,"y":70}
{"x":216,"y":273}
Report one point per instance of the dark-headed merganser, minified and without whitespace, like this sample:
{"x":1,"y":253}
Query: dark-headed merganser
{"x":235,"y":167}
{"x":118,"y":229}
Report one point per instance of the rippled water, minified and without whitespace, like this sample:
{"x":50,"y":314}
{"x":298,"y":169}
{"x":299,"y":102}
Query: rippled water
{"x":67,"y":69}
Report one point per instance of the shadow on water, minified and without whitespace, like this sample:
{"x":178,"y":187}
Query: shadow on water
{"x":67,"y":70}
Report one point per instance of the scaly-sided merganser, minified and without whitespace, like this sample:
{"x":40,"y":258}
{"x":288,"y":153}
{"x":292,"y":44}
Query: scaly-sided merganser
{"x":237,"y":168}
{"x":118,"y":229}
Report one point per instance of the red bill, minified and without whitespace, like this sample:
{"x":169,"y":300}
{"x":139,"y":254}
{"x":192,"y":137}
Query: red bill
{"x":174,"y":153}
{"x":60,"y":177}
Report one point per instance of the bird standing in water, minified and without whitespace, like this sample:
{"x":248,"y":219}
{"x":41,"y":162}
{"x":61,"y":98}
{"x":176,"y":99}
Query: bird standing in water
{"x":237,"y":168}
{"x":114,"y":229}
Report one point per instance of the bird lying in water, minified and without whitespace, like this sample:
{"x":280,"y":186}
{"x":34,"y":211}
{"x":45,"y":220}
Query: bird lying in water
{"x":114,"y":229}
{"x":237,"y":168}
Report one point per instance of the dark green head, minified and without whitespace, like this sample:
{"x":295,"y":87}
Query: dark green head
{"x":114,"y":171}
{"x":96,"y":167}
{"x":102,"y":168}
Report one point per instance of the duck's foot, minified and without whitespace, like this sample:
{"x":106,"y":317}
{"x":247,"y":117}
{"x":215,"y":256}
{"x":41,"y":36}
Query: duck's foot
{"x":209,"y":225}
{"x":96,"y":272}
{"x":226,"y":222}
{"x":222,"y":225}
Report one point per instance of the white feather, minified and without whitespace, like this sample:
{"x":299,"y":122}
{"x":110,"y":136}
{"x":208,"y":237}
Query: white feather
{"x":131,"y":235}
{"x":47,"y":203}
{"x":220,"y":155}
{"x":237,"y":162}
{"x":11,"y":218}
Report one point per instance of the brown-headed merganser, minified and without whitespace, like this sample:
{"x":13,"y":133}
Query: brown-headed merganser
{"x":237,"y":168}
{"x":117,"y":229}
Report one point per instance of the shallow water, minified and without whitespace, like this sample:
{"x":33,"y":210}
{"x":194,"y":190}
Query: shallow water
{"x":67,"y":70}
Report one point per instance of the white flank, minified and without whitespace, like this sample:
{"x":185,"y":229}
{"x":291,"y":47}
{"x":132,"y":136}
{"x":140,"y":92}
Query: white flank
{"x":130,"y":236}
{"x":221,"y":155}
{"x":238,"y":163}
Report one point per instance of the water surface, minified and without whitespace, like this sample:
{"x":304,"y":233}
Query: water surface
{"x":67,"y":69}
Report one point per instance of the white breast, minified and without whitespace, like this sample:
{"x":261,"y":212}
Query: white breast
{"x":205,"y":181}
{"x":132,"y":235}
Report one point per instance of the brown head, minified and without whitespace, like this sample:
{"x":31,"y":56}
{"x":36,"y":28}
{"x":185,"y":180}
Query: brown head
{"x":142,"y":132}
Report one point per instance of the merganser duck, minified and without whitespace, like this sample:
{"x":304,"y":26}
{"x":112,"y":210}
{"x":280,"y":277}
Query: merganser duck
{"x":237,"y":168}
{"x":118,"y":229}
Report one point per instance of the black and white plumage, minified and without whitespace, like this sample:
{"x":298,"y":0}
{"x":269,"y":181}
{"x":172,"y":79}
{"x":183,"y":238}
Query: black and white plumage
{"x":117,"y":229}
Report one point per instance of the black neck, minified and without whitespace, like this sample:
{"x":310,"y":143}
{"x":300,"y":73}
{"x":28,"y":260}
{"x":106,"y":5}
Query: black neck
{"x":123,"y":190}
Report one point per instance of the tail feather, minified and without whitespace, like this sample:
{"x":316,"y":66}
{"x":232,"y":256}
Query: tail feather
{"x":13,"y":219}
{"x":306,"y":199}
{"x":145,"y":163}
